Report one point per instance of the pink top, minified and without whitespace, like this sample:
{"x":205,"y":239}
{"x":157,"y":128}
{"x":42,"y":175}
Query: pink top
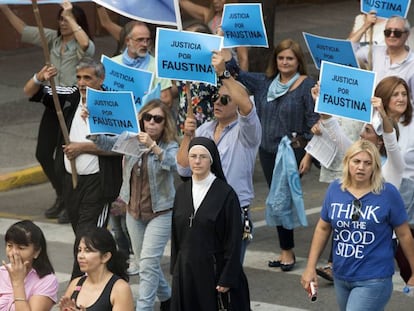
{"x":47,"y":286}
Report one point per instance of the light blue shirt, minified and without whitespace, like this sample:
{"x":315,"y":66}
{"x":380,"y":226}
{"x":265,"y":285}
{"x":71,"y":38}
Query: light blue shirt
{"x":237,"y":145}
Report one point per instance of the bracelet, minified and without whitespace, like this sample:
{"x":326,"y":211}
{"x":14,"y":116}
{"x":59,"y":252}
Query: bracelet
{"x":19,"y":299}
{"x":78,"y":29}
{"x":36,"y":81}
{"x":154,"y":143}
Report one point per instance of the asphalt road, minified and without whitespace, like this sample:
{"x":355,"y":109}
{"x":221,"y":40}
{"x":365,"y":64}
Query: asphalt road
{"x":270,"y":288}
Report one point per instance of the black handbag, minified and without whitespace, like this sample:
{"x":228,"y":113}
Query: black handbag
{"x":220,"y":302}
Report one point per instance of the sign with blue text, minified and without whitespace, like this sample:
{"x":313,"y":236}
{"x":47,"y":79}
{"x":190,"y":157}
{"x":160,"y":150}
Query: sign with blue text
{"x":345,"y":92}
{"x":243,"y":25}
{"x":119,"y":77}
{"x":386,"y":8}
{"x":185,"y":55}
{"x":331,"y":50}
{"x":111,"y":112}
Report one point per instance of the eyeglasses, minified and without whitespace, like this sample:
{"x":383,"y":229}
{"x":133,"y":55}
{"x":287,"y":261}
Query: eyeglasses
{"x":356,"y":207}
{"x":224,"y":99}
{"x":142,"y":40}
{"x":157,"y":118}
{"x":397,"y":33}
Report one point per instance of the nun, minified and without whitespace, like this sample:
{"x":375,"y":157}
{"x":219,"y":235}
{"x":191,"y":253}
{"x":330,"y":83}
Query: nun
{"x":206,"y":238}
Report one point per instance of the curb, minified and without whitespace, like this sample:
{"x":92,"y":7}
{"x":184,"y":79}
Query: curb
{"x":30,"y":176}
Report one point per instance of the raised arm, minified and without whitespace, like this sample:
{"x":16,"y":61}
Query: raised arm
{"x":370,"y":20}
{"x":393,"y":168}
{"x":33,"y":85}
{"x":196,"y":11}
{"x":112,"y":28}
{"x":236,"y":90}
{"x":190,"y":126}
{"x":13,"y":19}
{"x":243,"y":57}
{"x":80,"y":35}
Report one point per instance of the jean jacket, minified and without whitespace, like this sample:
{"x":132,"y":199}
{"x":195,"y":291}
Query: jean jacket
{"x":160,"y":172}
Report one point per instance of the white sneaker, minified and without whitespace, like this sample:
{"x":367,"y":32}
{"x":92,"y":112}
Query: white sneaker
{"x":133,"y":268}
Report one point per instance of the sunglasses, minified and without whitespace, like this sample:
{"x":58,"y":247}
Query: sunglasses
{"x":224,"y":99}
{"x":356,"y":207}
{"x":157,"y":118}
{"x":397,"y":33}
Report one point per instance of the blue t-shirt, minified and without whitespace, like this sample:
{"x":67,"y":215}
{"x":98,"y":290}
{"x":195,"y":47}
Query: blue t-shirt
{"x":363,"y":249}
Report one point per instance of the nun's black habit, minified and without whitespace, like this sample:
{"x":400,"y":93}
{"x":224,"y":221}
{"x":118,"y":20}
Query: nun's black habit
{"x":207,"y":253}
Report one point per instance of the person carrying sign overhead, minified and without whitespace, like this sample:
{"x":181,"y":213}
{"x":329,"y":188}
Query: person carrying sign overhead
{"x":99,"y":172}
{"x":370,"y":27}
{"x":393,"y":59}
{"x":200,"y":93}
{"x":136,"y":54}
{"x":67,"y":45}
{"x":212,"y":16}
{"x":237,"y":133}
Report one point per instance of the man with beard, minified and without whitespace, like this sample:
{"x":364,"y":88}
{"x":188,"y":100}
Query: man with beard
{"x":136,"y":54}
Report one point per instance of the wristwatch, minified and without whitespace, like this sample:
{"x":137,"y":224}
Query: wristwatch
{"x":226,"y":74}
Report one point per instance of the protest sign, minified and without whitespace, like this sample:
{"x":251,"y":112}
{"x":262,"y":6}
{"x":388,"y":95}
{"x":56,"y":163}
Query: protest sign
{"x":332,"y":50}
{"x":185,"y":55}
{"x":119,"y":77}
{"x":386,"y":8}
{"x":111,"y":112}
{"x":243,"y":25}
{"x":155,"y":93}
{"x":345,"y":92}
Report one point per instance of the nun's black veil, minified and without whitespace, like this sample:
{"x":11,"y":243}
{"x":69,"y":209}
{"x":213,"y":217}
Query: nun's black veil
{"x":216,"y":168}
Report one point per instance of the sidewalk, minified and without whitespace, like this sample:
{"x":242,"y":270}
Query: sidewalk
{"x":20,"y":119}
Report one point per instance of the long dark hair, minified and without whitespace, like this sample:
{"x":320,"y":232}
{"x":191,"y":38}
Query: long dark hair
{"x":80,"y":17}
{"x":25,"y":232}
{"x":101,"y":240}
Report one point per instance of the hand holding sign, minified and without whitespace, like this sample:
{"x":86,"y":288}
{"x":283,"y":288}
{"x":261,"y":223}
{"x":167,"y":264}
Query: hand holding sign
{"x":345,"y":92}
{"x":111,"y":112}
{"x":186,"y":56}
{"x":217,"y":60}
{"x":243,"y":25}
{"x":386,"y":8}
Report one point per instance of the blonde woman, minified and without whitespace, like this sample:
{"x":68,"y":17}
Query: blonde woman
{"x":361,"y":210}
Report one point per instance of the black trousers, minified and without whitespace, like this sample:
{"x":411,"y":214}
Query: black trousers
{"x":267,"y":160}
{"x":86,"y":208}
{"x":46,"y":146}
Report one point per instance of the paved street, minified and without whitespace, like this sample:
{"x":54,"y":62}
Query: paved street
{"x":270,"y":288}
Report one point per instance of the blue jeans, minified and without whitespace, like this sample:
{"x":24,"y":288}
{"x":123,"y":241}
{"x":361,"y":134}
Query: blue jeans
{"x":363,"y":295}
{"x":148,"y":240}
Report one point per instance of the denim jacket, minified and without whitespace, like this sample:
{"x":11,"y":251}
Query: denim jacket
{"x":160,"y":173}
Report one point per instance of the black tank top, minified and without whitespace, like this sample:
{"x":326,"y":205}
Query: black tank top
{"x":103,"y":303}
